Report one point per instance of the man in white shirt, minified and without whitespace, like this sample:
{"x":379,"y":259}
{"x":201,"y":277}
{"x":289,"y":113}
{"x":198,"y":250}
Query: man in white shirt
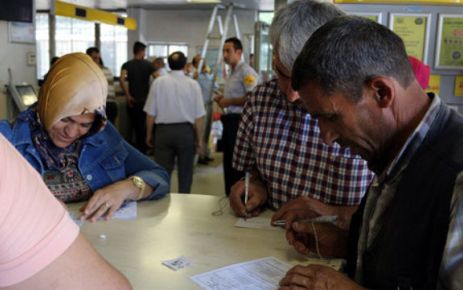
{"x":175,"y":104}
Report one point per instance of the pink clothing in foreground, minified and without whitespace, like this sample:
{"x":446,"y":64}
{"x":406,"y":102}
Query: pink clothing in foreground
{"x":34,"y":228}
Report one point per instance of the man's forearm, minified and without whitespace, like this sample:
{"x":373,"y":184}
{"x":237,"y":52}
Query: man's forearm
{"x":124,"y":88}
{"x":199,"y":125}
{"x":237,"y":101}
{"x":149,"y":124}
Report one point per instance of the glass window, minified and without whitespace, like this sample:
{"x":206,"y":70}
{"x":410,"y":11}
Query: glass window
{"x":42,"y":47}
{"x":266,"y":17}
{"x":73,"y":35}
{"x":113,"y":48}
{"x":164,"y":49}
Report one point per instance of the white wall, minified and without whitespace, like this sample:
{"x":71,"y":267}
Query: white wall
{"x":14,"y":56}
{"x":185,"y":26}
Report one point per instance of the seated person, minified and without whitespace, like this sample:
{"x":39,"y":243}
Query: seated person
{"x":40,"y":245}
{"x":80,"y":156}
{"x":354,"y":77}
{"x":280,"y":143}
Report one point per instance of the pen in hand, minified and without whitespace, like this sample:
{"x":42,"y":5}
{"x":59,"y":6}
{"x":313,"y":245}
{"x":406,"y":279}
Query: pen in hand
{"x":320,"y":219}
{"x":246,"y":193}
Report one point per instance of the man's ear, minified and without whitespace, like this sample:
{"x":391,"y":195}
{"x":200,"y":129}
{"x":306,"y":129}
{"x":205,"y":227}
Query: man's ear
{"x":383,"y":89}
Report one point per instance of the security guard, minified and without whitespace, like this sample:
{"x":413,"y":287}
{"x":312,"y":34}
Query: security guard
{"x":241,"y":80}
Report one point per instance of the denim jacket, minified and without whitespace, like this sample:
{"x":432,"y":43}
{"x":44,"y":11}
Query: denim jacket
{"x":104,"y":159}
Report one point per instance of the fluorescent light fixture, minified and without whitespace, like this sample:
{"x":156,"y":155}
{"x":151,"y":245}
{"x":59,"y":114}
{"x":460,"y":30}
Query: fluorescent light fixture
{"x":204,"y":1}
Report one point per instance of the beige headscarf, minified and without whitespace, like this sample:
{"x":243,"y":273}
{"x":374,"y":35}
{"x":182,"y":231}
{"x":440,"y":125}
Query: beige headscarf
{"x":75,"y":85}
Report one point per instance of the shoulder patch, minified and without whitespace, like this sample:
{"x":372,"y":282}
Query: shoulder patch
{"x":249,"y":80}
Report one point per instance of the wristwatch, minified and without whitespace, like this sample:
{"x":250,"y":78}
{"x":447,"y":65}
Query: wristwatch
{"x":139,"y":183}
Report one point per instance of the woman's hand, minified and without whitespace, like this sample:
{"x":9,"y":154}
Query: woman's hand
{"x":107,"y":200}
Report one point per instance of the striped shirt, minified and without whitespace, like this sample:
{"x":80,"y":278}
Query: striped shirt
{"x":282,"y":141}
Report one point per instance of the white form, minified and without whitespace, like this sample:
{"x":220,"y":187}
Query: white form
{"x":260,"y":274}
{"x":256,"y":223}
{"x":128,"y":211}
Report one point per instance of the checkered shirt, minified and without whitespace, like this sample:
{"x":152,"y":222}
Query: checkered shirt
{"x":283,"y":142}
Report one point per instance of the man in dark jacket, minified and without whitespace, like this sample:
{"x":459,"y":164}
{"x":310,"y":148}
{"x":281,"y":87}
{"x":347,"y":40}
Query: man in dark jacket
{"x":354,"y":76}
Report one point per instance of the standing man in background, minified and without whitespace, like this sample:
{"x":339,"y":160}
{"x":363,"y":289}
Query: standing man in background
{"x":160,"y":67}
{"x":111,"y":105}
{"x":242,"y":79}
{"x":137,"y":72}
{"x":175,"y":103}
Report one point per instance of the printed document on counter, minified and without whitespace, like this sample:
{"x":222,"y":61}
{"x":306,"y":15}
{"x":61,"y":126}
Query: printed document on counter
{"x":260,"y":274}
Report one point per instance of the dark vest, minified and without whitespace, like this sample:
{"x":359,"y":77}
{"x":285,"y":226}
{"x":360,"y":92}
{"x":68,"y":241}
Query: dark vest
{"x":407,"y":252}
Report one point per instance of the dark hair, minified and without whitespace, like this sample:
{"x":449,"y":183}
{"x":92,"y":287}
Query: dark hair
{"x":236,"y":43}
{"x":53,"y":60}
{"x":91,"y":50}
{"x":347,"y":52}
{"x":138,"y":46}
{"x":177,"y":60}
{"x":194,"y":61}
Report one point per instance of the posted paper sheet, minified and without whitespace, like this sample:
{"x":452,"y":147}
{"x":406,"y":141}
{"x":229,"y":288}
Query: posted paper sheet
{"x":260,"y":274}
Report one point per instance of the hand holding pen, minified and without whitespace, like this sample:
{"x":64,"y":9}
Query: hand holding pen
{"x":320,"y":219}
{"x":246,"y":193}
{"x":318,"y":235}
{"x":256,"y":199}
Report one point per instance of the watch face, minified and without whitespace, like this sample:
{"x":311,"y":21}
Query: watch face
{"x":138,"y":181}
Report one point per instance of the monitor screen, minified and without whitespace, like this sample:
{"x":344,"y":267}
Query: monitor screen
{"x":17,"y":10}
{"x":27,"y":94}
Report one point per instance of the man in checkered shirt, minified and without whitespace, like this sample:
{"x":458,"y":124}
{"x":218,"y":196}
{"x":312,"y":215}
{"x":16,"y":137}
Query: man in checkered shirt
{"x":280,"y":144}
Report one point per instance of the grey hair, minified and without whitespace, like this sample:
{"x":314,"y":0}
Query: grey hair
{"x":346,"y":53}
{"x":294,"y":23}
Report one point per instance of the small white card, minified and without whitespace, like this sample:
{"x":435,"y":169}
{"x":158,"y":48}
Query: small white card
{"x":177,"y":263}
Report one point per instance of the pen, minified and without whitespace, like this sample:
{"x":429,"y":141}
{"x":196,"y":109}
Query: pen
{"x":321,"y":219}
{"x":246,"y":191}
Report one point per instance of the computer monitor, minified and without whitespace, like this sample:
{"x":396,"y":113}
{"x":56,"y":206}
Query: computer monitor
{"x":23,"y":95}
{"x":27,"y":94}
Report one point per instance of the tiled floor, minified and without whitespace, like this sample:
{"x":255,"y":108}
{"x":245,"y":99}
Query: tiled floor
{"x":207,"y":179}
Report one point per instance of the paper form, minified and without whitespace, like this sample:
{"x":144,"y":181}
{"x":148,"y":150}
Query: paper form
{"x":256,"y":223}
{"x":128,"y":211}
{"x":260,"y":274}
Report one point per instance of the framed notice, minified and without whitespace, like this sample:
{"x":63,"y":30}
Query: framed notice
{"x":377,"y":17}
{"x":21,"y":32}
{"x":458,"y":86}
{"x":414,"y":31}
{"x":434,"y":84}
{"x":450,"y":42}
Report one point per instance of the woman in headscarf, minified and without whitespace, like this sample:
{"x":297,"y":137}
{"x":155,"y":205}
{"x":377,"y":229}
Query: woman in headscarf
{"x":80,"y":156}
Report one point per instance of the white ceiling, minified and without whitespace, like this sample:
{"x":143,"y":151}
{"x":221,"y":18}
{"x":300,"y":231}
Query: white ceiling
{"x":160,"y":4}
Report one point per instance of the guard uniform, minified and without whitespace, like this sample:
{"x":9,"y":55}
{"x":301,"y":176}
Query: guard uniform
{"x":243,"y":79}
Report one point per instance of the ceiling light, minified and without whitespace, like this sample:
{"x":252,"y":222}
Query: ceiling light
{"x":204,"y":1}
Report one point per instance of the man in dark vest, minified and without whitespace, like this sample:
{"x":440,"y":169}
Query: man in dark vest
{"x":354,"y":76}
